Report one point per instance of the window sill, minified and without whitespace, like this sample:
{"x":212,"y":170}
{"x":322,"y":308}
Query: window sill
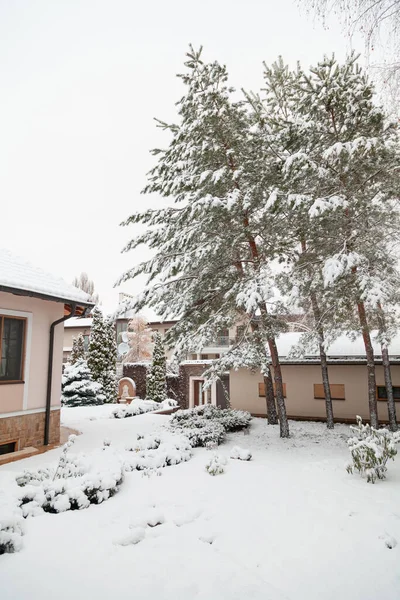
{"x":3,"y":382}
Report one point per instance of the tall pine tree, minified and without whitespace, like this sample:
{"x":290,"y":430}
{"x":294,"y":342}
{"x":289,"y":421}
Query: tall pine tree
{"x":101,"y":356}
{"x":156,"y":382}
{"x":213,"y":246}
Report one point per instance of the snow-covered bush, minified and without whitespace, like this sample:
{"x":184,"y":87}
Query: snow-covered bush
{"x":240,"y":453}
{"x":205,"y":425}
{"x":140,"y":407}
{"x":11,"y":532}
{"x":203,"y":433}
{"x":370,"y":450}
{"x":78,"y":387}
{"x":150,"y":453}
{"x":216,"y":465}
{"x":74,"y":484}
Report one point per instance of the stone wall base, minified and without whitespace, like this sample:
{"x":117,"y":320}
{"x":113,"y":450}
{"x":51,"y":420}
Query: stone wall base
{"x":28,"y":430}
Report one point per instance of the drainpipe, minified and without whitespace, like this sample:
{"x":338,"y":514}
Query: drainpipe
{"x":50,"y":372}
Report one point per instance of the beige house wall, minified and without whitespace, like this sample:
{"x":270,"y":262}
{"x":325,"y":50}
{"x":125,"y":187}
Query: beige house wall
{"x":72,"y":332}
{"x":300,"y":402}
{"x":31,"y":394}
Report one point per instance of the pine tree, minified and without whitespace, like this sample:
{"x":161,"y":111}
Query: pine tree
{"x":348,"y":159}
{"x":211,"y":262}
{"x":156,"y":383}
{"x":101,"y":356}
{"x":78,"y":349}
{"x":78,"y":387}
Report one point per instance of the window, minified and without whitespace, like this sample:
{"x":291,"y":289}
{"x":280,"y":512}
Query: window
{"x":9,"y":447}
{"x":382,"y":395}
{"x":12,"y":336}
{"x":337,"y":391}
{"x":121,"y":326}
{"x":261,"y":389}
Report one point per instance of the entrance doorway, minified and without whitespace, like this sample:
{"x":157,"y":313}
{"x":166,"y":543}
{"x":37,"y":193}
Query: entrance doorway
{"x":198,"y":396}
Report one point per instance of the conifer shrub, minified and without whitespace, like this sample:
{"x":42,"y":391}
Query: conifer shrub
{"x":78,"y":387}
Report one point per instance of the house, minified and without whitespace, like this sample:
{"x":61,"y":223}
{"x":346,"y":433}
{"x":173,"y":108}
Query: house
{"x":302,"y":382}
{"x":33,"y":306}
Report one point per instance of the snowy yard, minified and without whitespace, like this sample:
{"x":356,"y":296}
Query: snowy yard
{"x":290,"y":524}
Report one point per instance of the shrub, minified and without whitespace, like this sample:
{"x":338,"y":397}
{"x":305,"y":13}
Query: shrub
{"x":370,"y":450}
{"x":240,"y":453}
{"x":151,"y":453}
{"x":76,"y":483}
{"x":207,"y":425}
{"x":11,"y":532}
{"x":216,"y":465}
{"x":140,"y":407}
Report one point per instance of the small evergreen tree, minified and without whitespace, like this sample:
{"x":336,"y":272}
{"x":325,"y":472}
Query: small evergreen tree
{"x":110,"y":376}
{"x":156,"y":385}
{"x":78,"y":349}
{"x":102,"y":354}
{"x":78,"y":387}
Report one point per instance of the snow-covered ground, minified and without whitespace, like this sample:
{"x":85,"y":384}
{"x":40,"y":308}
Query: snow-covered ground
{"x":290,"y":524}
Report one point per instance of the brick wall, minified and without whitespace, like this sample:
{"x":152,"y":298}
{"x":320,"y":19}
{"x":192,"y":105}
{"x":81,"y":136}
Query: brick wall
{"x":138,"y":373}
{"x":28,"y":430}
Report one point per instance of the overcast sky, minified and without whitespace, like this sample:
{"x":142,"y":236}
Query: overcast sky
{"x":80,"y":84}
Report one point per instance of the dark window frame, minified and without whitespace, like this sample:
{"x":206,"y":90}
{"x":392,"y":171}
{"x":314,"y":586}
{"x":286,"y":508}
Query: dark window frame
{"x":4,"y":381}
{"x":383,"y":398}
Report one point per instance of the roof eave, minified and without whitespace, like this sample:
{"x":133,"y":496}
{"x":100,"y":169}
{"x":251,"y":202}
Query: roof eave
{"x":33,"y":294}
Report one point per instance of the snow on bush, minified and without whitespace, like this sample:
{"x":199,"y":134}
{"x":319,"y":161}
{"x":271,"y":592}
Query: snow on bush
{"x":77,"y":482}
{"x":370,"y":450}
{"x":240,"y":453}
{"x":216,"y":465}
{"x":11,"y":531}
{"x":206,"y":425}
{"x":151,"y":453}
{"x":140,"y":407}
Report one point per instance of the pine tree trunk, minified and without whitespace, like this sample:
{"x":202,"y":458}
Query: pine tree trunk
{"x":280,"y":400}
{"x":272,"y":416}
{"x":369,"y":351}
{"x":327,"y":389}
{"x":389,"y":389}
{"x":324,"y":362}
{"x":322,"y":353}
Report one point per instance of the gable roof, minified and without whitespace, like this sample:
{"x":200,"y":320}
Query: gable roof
{"x":18,"y":275}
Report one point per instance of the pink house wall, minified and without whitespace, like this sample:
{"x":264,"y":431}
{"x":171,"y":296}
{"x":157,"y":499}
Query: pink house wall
{"x":32,"y":394}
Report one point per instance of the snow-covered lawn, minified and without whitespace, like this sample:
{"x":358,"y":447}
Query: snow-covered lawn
{"x":291,"y":523}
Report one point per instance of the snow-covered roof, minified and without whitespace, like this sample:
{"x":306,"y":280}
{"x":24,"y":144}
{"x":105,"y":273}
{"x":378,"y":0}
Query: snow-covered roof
{"x":340,"y":348}
{"x":76,"y":322}
{"x":19,"y":274}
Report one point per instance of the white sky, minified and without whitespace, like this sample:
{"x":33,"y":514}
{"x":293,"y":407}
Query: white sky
{"x":80,"y":84}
